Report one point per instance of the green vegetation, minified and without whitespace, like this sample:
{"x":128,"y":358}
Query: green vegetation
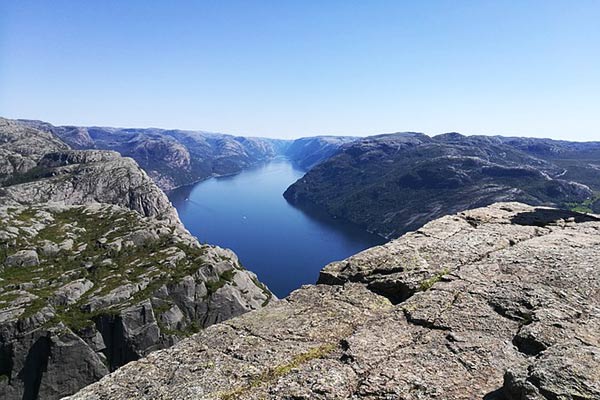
{"x":585,"y":206}
{"x":77,"y":319}
{"x":279,"y":371}
{"x":26,"y":215}
{"x":34,"y":307}
{"x":428,"y":283}
{"x":189,"y":330}
{"x":264,"y":289}
{"x":92,"y":232}
{"x":213,"y":285}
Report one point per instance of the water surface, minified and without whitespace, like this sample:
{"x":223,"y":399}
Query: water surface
{"x":247,"y":213}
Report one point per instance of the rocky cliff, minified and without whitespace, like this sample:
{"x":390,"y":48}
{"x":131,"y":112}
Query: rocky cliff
{"x":21,"y":147}
{"x":94,"y":176}
{"x":500,"y":302}
{"x":96,"y":269}
{"x":391,"y":184}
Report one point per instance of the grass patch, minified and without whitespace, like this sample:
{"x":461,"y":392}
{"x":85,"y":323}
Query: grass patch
{"x":428,"y":283}
{"x":585,"y":206}
{"x":265,"y":291}
{"x":35,"y":306}
{"x":26,"y":215}
{"x":225,"y":278}
{"x":279,"y":371}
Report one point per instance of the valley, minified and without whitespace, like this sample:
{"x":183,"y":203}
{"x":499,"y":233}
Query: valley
{"x":99,"y":268}
{"x":299,"y":200}
{"x":174,"y":158}
{"x":285,"y":246}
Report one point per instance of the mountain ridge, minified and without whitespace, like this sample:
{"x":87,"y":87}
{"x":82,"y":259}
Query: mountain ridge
{"x":394,"y":183}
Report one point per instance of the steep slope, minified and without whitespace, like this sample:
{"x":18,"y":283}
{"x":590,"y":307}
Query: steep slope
{"x":96,"y":269}
{"x":81,"y":177}
{"x":579,"y":162}
{"x":391,"y":184}
{"x":310,"y":151}
{"x":495,"y":303}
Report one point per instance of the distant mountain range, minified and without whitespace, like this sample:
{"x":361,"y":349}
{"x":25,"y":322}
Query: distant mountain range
{"x":391,"y":184}
{"x":388,"y":184}
{"x":176,"y":158}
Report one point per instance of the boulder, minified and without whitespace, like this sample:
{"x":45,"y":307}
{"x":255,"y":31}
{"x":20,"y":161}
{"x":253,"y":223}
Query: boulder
{"x":71,"y":292}
{"x":23,"y":258}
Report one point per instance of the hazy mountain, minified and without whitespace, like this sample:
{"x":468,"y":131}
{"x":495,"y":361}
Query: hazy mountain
{"x":171,"y":157}
{"x":310,"y":151}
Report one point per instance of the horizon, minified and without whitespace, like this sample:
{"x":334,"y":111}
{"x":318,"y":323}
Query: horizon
{"x":290,"y":70}
{"x":298,"y":137}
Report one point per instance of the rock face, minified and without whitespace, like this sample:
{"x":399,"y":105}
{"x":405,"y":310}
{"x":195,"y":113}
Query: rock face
{"x":391,"y":184}
{"x":93,"y":176}
{"x":498,"y":303}
{"x":21,"y":147}
{"x":96,"y":269}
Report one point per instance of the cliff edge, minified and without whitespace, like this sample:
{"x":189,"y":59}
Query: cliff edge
{"x":500,"y":302}
{"x":96,"y":269}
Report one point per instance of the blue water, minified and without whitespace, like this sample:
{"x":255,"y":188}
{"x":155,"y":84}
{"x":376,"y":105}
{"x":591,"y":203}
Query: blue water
{"x":284,"y":246}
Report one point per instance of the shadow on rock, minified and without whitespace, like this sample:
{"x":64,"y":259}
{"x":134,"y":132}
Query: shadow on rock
{"x":543,"y":217}
{"x":495,"y":395}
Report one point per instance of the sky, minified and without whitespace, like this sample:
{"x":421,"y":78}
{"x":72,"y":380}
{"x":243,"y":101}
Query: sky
{"x":287,"y":69}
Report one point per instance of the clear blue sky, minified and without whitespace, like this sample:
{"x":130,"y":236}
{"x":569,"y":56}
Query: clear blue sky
{"x":286,"y":68}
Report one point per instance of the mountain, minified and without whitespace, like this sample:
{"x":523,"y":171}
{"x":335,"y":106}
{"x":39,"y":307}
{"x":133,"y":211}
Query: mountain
{"x":21,"y":147}
{"x":496,"y":303}
{"x":394,"y":183}
{"x":171,"y":157}
{"x":310,"y":151}
{"x":580,"y":162}
{"x":174,"y":158}
{"x":96,"y":269}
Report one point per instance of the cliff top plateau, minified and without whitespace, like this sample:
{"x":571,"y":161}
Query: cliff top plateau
{"x":500,"y":302}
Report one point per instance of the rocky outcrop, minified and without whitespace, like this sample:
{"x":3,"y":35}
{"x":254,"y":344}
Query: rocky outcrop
{"x":391,"y":184}
{"x":21,"y":147}
{"x":119,"y":286}
{"x":498,"y":303}
{"x":92,"y":176}
{"x":96,"y":269}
